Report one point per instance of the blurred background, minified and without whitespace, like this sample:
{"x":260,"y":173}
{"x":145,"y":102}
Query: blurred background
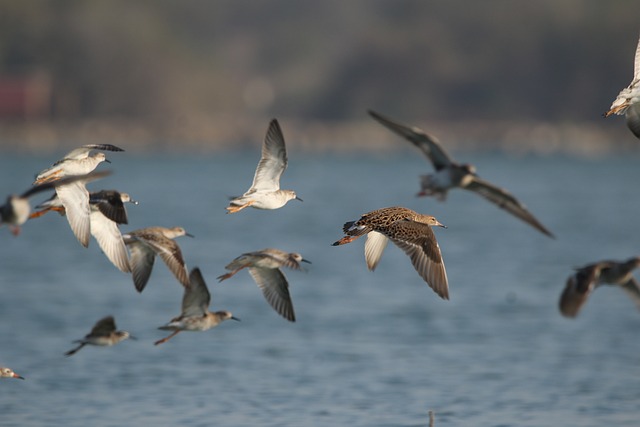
{"x":209,"y":75}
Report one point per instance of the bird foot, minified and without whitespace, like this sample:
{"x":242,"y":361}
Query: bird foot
{"x":344,"y":240}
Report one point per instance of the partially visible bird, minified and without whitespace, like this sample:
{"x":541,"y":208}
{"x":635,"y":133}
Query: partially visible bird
{"x":586,"y":279}
{"x":411,"y":232}
{"x":103,"y":334}
{"x":265,"y":192}
{"x":8,"y":373}
{"x":628,"y":100}
{"x":16,"y":209}
{"x":450,"y":174}
{"x":264,"y":266}
{"x":144,"y":244}
{"x":106,"y":211}
{"x":109,"y":202}
{"x":76,"y":162}
{"x":195,"y":314}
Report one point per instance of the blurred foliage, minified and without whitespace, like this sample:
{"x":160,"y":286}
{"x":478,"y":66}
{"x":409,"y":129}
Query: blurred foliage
{"x":331,"y":60}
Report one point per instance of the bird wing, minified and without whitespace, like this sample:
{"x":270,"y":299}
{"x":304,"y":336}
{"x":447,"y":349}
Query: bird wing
{"x":418,"y":241}
{"x":373,"y":248}
{"x":506,"y":201}
{"x":110,"y":204}
{"x":63,"y":181}
{"x":632,"y":288}
{"x":636,"y":64}
{"x":577,"y":289}
{"x":103,"y":327}
{"x":141,"y":260}
{"x":82,"y":152}
{"x":429,"y":145}
{"x":197,"y":298}
{"x":275,"y":289}
{"x":169,"y":251}
{"x":632,"y":118}
{"x":273,"y":161}
{"x":107,"y":234}
{"x":75,"y":199}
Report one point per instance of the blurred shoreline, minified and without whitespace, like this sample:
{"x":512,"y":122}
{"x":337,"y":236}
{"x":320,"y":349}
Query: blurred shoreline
{"x":222,"y":133}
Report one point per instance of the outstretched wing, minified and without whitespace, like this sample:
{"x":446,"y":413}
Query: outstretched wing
{"x":196,"y":299}
{"x":273,"y":161}
{"x":506,"y":201}
{"x":428,"y":144}
{"x":275,"y":289}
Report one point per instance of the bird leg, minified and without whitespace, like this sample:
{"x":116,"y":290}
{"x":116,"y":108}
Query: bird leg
{"x":52,"y":177}
{"x":74,"y":350}
{"x":226,"y":276}
{"x":167,"y":338}
{"x":15,"y":230}
{"x":236,"y":208}
{"x":345,"y":240}
{"x":38,"y":214}
{"x":617,"y":109}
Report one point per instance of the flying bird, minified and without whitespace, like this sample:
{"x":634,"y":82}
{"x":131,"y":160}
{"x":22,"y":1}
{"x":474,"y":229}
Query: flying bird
{"x":411,"y":232}
{"x":79,"y":161}
{"x":103,"y":334}
{"x":450,"y":174}
{"x":195,"y":314}
{"x":265,"y":192}
{"x":109,"y":202}
{"x":586,"y":279}
{"x":264,"y":266}
{"x":144,"y":244}
{"x":17,"y":208}
{"x":107,"y":210}
{"x":8,"y":373}
{"x":628,"y":100}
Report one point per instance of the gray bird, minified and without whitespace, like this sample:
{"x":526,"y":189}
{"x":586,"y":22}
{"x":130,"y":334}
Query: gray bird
{"x":586,"y":279}
{"x":264,"y":266}
{"x":449,"y":174}
{"x":103,"y":334}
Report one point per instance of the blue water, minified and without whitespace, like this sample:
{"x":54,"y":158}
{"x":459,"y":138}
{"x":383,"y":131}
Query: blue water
{"x":368,"y":349}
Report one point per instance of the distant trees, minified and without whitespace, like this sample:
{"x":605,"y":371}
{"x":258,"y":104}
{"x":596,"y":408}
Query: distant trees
{"x":154,"y":60}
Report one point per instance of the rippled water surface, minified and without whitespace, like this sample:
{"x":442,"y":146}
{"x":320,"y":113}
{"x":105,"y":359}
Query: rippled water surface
{"x":368,"y":349}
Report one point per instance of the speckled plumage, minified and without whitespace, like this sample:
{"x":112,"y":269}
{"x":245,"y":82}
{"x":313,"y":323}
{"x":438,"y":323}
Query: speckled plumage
{"x":411,"y":232}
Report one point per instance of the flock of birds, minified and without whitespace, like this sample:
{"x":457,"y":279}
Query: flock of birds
{"x":99,"y":214}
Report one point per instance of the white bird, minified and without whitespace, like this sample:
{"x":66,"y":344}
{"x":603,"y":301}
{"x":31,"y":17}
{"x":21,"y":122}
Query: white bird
{"x":16,"y":209}
{"x":76,"y":162}
{"x":8,"y":373}
{"x":144,"y":244}
{"x":109,"y":202}
{"x":628,"y":100}
{"x":450,"y":174}
{"x":264,"y":266}
{"x":586,"y":279}
{"x":107,"y":210}
{"x":195,"y":314}
{"x":103,"y":334}
{"x":265,"y":192}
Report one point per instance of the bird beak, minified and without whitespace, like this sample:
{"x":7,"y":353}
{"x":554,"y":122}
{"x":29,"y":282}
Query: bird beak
{"x":107,"y":160}
{"x":235,"y":318}
{"x":305,"y":260}
{"x":298,"y":198}
{"x":17,"y":376}
{"x":189,"y":235}
{"x":131,"y":337}
{"x":439,"y":224}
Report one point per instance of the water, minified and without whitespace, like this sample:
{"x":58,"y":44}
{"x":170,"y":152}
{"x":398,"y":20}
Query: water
{"x":368,"y":349}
